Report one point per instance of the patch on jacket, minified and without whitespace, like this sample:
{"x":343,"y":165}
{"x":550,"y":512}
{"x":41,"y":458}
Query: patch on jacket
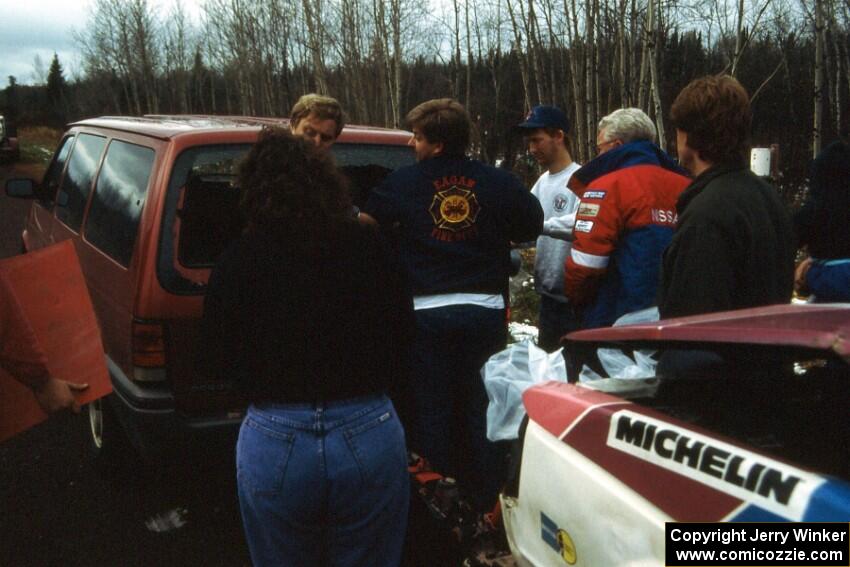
{"x":588,"y":210}
{"x":594,"y":195}
{"x":661,"y":216}
{"x":454,"y":212}
{"x":583,"y":226}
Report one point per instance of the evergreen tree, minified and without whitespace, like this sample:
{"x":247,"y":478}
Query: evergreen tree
{"x":56,"y":88}
{"x":11,"y":109}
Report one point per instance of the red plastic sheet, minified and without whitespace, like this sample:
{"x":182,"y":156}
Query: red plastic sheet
{"x":50,"y":293}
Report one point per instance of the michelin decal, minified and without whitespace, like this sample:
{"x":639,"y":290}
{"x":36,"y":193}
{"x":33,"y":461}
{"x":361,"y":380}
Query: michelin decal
{"x":770,"y":484}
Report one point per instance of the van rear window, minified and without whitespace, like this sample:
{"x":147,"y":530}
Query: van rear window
{"x":202,"y":218}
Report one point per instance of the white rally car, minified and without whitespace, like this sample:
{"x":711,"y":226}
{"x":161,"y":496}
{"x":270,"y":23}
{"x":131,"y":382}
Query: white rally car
{"x":752,"y":426}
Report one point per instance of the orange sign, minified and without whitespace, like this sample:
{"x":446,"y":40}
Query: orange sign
{"x":48,"y":288}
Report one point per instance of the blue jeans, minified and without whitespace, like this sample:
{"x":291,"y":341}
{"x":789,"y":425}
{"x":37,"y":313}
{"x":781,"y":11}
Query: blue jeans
{"x":557,"y":318}
{"x":324,"y":484}
{"x":452,"y":344}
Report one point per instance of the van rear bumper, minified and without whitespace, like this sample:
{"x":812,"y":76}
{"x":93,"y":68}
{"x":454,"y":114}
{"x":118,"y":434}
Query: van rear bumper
{"x":156,"y":429}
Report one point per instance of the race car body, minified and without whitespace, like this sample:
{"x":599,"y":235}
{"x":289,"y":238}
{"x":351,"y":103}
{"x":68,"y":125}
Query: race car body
{"x":600,"y":474}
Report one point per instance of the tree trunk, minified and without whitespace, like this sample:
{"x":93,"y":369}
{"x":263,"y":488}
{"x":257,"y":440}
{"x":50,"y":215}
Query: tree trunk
{"x":817,"y":127}
{"x":523,"y":63}
{"x":837,"y":77}
{"x":314,"y":44}
{"x":656,"y":87}
{"x":396,"y":102}
{"x":649,"y":26}
{"x":468,"y":59}
{"x":590,"y":73}
{"x":456,"y":57}
{"x":577,"y":75}
{"x":625,"y":95}
{"x":739,"y":38}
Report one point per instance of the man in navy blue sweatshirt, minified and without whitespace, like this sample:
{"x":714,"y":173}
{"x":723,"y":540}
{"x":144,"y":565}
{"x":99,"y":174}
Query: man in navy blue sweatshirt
{"x":455,"y":218}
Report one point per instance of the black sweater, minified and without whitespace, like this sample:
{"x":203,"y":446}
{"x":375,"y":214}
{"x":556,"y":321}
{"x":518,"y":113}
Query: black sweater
{"x":292,"y":323}
{"x":733,"y":246}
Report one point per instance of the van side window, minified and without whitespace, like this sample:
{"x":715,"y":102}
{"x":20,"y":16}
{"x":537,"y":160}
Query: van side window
{"x":46,"y":192}
{"x":116,"y":207}
{"x":71,"y":200}
{"x":366,"y":165}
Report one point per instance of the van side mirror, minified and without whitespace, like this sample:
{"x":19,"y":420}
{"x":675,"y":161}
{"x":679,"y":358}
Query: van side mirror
{"x":22,"y":188}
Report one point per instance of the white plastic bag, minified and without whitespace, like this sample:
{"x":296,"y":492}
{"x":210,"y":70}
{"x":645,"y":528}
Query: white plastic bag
{"x":619,"y":365}
{"x":506,"y":376}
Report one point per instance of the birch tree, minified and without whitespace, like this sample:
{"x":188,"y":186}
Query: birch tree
{"x":817,"y":128}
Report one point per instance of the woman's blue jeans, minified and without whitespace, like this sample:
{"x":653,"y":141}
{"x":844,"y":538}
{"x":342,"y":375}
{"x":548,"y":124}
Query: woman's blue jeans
{"x":323,"y":484}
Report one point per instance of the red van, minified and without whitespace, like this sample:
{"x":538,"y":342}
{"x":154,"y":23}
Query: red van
{"x":149,"y":204}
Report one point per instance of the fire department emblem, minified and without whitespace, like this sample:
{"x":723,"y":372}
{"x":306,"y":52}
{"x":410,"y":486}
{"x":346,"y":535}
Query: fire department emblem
{"x":454,"y":209}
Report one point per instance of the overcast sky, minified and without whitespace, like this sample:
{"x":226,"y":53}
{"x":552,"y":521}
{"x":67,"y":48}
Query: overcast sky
{"x":42,"y":27}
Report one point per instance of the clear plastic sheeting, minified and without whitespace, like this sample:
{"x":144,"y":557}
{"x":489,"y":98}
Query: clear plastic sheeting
{"x":507,"y":375}
{"x":619,"y":365}
{"x":167,"y":521}
{"x":522,"y":331}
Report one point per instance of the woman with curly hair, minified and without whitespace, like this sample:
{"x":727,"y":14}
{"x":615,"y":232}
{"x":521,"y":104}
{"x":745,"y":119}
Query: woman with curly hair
{"x":307,"y":317}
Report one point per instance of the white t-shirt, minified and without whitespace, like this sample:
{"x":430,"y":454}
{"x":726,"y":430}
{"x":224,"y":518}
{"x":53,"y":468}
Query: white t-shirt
{"x":559,"y":215}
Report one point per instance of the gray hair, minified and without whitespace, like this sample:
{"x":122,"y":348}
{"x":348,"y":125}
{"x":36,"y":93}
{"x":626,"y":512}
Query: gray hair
{"x":628,"y":125}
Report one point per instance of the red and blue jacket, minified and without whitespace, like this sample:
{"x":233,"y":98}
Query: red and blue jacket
{"x":624,"y":222}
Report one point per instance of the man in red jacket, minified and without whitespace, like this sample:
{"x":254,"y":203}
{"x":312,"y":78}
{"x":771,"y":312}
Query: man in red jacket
{"x":625,"y":220}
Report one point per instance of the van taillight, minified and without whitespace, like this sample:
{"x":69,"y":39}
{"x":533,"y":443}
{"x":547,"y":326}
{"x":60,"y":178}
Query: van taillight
{"x":148,"y":351}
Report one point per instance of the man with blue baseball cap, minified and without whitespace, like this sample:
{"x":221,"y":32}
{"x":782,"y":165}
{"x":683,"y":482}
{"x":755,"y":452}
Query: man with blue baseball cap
{"x":546,"y":131}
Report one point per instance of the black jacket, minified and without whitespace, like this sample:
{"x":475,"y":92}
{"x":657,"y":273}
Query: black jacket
{"x":290,"y":322}
{"x":733,"y":246}
{"x":456,"y":218}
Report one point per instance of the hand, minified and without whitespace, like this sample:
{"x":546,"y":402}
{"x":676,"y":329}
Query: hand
{"x":55,"y":395}
{"x":800,"y":276}
{"x":366,"y":219}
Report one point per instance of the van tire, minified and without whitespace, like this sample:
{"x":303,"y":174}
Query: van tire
{"x":105,"y":437}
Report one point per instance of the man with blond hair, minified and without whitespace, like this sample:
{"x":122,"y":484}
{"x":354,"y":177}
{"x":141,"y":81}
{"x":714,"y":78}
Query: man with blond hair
{"x":625,"y":220}
{"x":317,"y":118}
{"x":455,"y":218}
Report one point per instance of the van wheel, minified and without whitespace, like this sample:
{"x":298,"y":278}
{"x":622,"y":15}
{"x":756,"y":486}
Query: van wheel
{"x":106,"y":438}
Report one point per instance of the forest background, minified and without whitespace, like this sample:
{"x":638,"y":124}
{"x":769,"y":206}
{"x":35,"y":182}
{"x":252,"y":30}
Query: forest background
{"x":499,"y":57}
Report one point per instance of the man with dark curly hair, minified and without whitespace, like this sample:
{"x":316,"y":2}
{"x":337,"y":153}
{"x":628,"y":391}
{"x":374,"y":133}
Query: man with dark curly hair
{"x":455,"y":218}
{"x":733,"y":246}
